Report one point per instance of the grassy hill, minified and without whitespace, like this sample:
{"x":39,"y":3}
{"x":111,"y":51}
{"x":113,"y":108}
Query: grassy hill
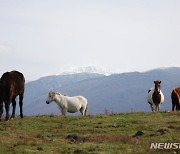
{"x":117,"y":133}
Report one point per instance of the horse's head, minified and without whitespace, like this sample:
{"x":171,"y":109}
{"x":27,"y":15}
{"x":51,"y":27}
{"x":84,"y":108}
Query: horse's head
{"x":157,"y":86}
{"x":51,"y":97}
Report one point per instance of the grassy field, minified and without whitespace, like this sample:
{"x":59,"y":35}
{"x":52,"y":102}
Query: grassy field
{"x":117,"y":133}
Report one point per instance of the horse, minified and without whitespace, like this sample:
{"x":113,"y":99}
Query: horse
{"x":68,"y":104}
{"x":11,"y":85}
{"x":155,"y":96}
{"x":175,"y":97}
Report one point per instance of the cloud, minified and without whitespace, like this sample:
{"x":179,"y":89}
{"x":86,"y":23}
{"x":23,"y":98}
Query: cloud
{"x":4,"y":48}
{"x":118,"y":35}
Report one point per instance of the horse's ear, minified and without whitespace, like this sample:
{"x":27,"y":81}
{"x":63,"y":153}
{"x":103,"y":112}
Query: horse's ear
{"x":57,"y":93}
{"x":154,"y":81}
{"x":159,"y":82}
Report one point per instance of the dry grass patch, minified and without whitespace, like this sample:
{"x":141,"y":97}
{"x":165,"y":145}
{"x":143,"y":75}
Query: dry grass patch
{"x":100,"y":139}
{"x":113,"y":139}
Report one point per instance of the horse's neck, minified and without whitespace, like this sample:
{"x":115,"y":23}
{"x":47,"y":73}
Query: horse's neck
{"x":60,"y":100}
{"x":156,"y":90}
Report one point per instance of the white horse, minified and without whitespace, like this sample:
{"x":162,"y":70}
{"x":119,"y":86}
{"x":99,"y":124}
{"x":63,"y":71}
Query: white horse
{"x":155,"y":96}
{"x":68,"y":104}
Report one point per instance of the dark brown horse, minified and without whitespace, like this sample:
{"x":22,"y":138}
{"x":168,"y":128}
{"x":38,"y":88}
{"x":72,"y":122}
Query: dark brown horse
{"x":11,"y":85}
{"x":175,"y":97}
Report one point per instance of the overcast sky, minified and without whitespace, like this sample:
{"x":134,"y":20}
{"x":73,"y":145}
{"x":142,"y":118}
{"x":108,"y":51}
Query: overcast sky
{"x":43,"y":37}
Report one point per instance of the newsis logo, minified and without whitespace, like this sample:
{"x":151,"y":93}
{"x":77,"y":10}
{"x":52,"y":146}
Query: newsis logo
{"x":165,"y":146}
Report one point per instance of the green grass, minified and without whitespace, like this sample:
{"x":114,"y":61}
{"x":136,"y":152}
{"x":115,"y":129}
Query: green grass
{"x":91,"y":134}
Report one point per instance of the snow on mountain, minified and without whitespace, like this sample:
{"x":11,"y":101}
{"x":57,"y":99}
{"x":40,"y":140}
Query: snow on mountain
{"x":86,"y":69}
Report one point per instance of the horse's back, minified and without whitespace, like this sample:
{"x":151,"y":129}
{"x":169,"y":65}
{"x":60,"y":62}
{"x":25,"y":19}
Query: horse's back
{"x":13,"y":77}
{"x":18,"y":80}
{"x":81,"y":98}
{"x":17,"y":77}
{"x":176,"y":91}
{"x":78,"y":99}
{"x":12,"y":82}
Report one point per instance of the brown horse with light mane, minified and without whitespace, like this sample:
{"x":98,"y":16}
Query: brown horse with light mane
{"x":11,"y":85}
{"x":175,"y":97}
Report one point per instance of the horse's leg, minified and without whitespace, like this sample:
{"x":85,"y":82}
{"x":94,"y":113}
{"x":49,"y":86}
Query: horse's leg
{"x":21,"y":104}
{"x":173,"y":106}
{"x":158,"y":107}
{"x":82,"y":110}
{"x":64,"y":112}
{"x":14,"y":107}
{"x":151,"y":107}
{"x":1,"y":109}
{"x":154,"y":106}
{"x":86,"y":110}
{"x":177,"y":106}
{"x":7,"y":103}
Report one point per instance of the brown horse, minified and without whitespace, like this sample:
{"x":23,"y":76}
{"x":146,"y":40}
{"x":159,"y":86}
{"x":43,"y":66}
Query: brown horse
{"x":175,"y":97}
{"x":11,"y":85}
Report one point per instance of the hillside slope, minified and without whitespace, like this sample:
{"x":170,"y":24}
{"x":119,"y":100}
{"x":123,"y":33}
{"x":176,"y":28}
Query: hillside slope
{"x":124,"y":92}
{"x":118,"y":133}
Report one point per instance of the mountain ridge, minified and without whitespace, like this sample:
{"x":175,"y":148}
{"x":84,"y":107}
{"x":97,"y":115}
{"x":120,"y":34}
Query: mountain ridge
{"x":125,"y":92}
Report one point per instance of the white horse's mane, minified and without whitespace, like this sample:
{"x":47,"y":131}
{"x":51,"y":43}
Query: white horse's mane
{"x":55,"y":92}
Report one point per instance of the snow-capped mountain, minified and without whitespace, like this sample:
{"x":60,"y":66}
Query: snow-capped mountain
{"x":86,"y":69}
